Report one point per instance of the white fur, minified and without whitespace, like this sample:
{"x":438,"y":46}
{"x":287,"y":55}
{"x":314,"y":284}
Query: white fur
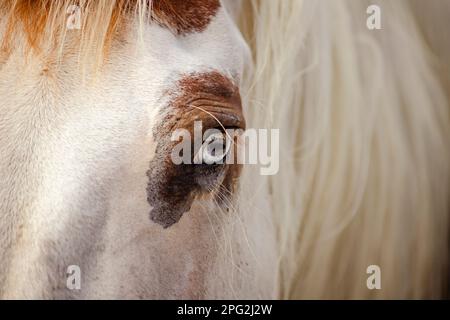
{"x":73,"y":162}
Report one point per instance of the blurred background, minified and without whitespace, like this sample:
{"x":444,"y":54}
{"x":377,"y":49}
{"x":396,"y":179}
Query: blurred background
{"x":365,"y":142}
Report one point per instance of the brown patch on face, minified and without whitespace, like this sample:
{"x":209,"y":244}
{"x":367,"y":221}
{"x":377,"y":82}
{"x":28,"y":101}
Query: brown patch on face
{"x":184,"y":16}
{"x":209,"y":98}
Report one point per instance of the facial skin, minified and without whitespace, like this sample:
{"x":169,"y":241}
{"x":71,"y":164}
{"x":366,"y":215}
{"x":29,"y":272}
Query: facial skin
{"x":85,"y":166}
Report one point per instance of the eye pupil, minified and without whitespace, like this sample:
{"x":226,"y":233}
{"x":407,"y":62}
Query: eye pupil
{"x":214,"y":149}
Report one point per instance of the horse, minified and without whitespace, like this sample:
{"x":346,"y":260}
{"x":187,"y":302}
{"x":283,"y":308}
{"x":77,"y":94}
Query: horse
{"x":91,"y":92}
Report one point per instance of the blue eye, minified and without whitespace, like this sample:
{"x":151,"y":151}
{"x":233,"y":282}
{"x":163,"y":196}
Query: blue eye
{"x":214,"y":149}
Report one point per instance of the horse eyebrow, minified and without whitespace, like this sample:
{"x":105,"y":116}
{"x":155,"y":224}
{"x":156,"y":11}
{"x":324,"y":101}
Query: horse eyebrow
{"x":184,"y":16}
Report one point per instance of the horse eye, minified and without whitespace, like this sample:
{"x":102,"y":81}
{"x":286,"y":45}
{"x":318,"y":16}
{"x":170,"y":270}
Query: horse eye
{"x":214,"y":149}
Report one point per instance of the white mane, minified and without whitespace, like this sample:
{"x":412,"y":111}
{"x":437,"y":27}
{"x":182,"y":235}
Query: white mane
{"x":365,"y":152}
